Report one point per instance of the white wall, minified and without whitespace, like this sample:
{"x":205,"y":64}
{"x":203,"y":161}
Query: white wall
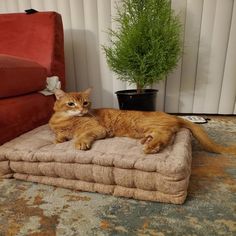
{"x":203,"y":82}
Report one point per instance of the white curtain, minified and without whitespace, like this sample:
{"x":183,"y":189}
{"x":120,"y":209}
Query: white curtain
{"x":204,"y":80}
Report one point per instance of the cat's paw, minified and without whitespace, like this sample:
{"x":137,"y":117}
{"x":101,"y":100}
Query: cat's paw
{"x":147,"y":139}
{"x":151,"y":150}
{"x":83,"y":145}
{"x":151,"y":144}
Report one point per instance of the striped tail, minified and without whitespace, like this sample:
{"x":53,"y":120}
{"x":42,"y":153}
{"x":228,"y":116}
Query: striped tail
{"x":207,"y":143}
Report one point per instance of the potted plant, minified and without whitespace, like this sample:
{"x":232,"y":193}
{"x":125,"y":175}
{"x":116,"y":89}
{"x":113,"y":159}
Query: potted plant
{"x":144,"y":49}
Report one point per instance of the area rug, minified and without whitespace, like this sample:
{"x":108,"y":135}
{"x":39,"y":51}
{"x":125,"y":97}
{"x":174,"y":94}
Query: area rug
{"x":210,"y":209}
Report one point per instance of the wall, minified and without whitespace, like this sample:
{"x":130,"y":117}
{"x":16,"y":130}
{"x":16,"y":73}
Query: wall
{"x":203,"y":82}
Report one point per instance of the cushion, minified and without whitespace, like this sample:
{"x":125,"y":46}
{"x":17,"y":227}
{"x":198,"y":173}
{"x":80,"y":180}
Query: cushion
{"x":20,"y":76}
{"x":21,"y":114}
{"x":114,"y":166}
{"x":38,"y":37}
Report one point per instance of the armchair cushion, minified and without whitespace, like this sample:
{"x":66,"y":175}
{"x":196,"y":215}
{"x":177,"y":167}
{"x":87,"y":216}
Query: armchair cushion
{"x":20,"y":76}
{"x":37,"y":37}
{"x":23,"y":113}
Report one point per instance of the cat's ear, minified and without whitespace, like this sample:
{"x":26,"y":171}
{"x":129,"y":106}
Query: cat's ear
{"x":59,"y":94}
{"x":87,"y":92}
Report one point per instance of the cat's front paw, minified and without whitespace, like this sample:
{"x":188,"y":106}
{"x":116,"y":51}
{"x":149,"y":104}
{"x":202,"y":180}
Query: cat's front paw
{"x":83,"y":145}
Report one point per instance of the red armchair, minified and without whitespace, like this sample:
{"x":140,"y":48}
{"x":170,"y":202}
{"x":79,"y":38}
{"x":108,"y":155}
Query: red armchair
{"x":31,"y":49}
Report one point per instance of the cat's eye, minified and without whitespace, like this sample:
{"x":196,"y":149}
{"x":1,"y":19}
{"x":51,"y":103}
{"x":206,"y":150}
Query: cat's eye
{"x":71,"y":104}
{"x":85,"y":103}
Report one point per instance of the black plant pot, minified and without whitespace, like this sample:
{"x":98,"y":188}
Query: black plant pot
{"x":131,"y":100}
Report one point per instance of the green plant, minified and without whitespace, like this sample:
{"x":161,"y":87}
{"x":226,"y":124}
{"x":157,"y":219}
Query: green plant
{"x":147,"y":45}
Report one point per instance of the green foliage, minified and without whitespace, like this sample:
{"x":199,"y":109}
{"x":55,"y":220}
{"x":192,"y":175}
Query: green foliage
{"x":147,"y":44}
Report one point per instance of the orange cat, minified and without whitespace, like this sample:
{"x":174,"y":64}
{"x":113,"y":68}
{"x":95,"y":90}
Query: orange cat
{"x":73,"y":119}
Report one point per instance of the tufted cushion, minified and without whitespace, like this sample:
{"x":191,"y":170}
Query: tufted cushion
{"x":20,"y":76}
{"x":113,"y":166}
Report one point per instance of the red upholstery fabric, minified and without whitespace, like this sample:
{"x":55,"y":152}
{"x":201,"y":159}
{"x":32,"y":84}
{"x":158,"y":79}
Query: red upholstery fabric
{"x":23,"y":113}
{"x":20,"y":76}
{"x":38,"y":37}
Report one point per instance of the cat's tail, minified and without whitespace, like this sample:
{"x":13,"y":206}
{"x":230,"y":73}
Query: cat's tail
{"x":207,"y":143}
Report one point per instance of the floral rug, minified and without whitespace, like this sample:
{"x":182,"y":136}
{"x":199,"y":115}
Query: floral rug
{"x":210,"y":209}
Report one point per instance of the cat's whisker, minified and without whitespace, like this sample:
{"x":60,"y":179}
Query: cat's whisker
{"x":91,"y":114}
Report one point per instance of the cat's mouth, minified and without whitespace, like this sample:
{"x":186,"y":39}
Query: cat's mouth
{"x":75,"y":113}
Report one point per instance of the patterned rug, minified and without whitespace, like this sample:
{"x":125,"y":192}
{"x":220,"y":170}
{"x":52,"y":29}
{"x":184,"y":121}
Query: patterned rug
{"x":210,"y":209}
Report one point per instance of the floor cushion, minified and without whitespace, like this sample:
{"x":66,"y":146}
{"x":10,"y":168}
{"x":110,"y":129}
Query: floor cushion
{"x":114,"y":166}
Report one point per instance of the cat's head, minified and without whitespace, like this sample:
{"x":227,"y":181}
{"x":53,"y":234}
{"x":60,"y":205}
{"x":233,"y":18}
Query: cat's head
{"x":72,"y":104}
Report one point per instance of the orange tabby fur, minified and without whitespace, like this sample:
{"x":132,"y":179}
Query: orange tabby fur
{"x":73,"y":119}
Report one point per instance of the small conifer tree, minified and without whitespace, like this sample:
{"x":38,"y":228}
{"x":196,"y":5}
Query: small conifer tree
{"x":147,"y":45}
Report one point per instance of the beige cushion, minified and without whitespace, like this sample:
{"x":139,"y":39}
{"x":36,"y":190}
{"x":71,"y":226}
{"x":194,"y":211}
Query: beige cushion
{"x":113,"y":166}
